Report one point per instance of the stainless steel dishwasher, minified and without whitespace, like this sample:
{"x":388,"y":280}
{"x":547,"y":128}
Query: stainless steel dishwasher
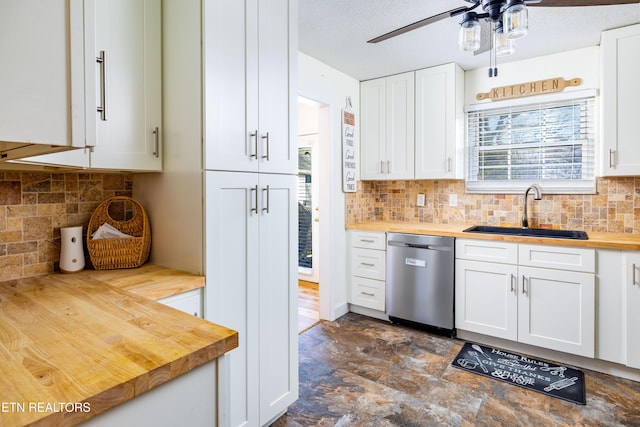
{"x":420,"y":280}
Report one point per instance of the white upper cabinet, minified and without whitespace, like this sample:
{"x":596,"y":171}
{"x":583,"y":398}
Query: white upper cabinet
{"x":41,"y":85}
{"x":439,"y":139}
{"x":248,"y":87}
{"x":118,"y":112}
{"x":387,"y":129}
{"x":128,"y":84}
{"x":620,"y":58}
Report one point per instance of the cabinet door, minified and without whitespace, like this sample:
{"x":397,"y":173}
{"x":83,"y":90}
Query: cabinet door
{"x":556,"y":310}
{"x":277,"y":100}
{"x":486,"y":298}
{"x":232,"y":292}
{"x":229,"y":144}
{"x":40,"y":86}
{"x":439,"y":122}
{"x":611,"y":306}
{"x":620,"y":54}
{"x":128,"y":84}
{"x":632,"y":285}
{"x":277,"y":290}
{"x":400,"y":116}
{"x":249,"y":49}
{"x":372,"y":129}
{"x":189,"y":302}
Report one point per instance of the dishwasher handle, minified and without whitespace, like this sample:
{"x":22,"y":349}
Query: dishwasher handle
{"x":418,"y":246}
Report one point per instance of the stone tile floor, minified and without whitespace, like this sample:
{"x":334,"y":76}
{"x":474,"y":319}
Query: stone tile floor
{"x":359,"y":371}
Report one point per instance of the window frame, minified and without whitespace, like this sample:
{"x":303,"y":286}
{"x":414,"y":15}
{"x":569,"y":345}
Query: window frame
{"x":558,"y":186}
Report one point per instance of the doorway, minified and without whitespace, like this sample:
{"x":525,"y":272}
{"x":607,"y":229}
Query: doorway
{"x":309,"y":170}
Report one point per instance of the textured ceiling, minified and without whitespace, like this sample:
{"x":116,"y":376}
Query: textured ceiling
{"x":336,"y":33}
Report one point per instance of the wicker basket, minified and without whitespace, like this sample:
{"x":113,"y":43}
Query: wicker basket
{"x":130,"y":252}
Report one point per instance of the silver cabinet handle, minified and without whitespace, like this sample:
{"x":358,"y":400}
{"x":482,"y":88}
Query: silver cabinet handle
{"x":388,"y":166}
{"x":156,"y":147}
{"x":368,"y":264}
{"x":513,"y":280}
{"x":367,"y":240}
{"x":381,"y":166}
{"x":611,"y":158}
{"x":266,"y":208}
{"x":633,"y":276}
{"x":524,"y":289}
{"x":448,"y":164}
{"x":254,"y":135}
{"x":102,"y":108}
{"x":255,"y":210}
{"x":369,"y":294}
{"x":266,"y":137}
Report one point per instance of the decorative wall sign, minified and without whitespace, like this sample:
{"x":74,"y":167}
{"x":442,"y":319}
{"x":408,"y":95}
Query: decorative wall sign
{"x":520,"y":90}
{"x":349,"y":162}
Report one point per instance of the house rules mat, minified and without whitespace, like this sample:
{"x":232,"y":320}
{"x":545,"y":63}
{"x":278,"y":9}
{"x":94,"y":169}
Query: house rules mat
{"x":544,"y":377}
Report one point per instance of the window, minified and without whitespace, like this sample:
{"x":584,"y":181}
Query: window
{"x":550,"y":143}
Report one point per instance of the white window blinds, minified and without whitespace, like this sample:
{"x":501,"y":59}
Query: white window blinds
{"x":551,"y":143}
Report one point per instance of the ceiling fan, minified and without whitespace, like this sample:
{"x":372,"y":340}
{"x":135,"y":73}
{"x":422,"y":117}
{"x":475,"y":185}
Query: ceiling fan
{"x":494,"y":11}
{"x":506,"y":19}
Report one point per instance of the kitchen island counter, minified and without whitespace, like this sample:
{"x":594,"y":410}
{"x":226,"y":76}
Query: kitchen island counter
{"x":73,"y":346}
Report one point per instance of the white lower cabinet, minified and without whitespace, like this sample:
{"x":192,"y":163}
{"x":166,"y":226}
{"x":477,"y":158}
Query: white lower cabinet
{"x":632,"y":289}
{"x":368,"y":269}
{"x":190,"y":302}
{"x":543,"y":306}
{"x":618,"y":300}
{"x":251,"y":273}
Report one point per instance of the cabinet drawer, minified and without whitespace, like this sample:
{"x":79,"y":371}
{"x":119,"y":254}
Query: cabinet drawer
{"x":558,"y":257}
{"x":367,"y":293}
{"x":487,"y":250}
{"x":368,"y":240}
{"x":368,"y":263}
{"x":190,"y":302}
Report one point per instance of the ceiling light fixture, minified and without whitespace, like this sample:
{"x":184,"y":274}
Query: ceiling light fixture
{"x":509,"y":20}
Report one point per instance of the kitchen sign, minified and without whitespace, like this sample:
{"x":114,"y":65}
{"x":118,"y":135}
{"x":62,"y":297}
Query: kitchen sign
{"x":520,"y":90}
{"x":349,"y":163}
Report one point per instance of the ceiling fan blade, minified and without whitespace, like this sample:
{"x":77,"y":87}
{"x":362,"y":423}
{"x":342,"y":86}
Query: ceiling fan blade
{"x":418,"y":24}
{"x":576,"y":3}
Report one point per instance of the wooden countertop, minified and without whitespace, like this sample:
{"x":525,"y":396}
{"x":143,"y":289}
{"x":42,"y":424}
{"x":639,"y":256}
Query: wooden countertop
{"x":74,"y":338}
{"x":150,"y":281}
{"x":596,"y":240}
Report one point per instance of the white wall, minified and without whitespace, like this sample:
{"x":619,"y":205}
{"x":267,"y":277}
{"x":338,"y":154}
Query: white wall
{"x":319,"y":82}
{"x":582,"y":63}
{"x":174,"y":198}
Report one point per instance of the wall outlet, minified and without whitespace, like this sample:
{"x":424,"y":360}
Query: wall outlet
{"x":453,"y":200}
{"x":420,"y":201}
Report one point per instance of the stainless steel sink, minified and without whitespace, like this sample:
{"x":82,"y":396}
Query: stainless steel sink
{"x":530,"y":232}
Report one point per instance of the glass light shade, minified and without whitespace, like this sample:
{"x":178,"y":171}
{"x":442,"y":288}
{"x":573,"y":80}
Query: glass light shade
{"x":516,"y":21}
{"x":469,"y":36}
{"x":503,"y":45}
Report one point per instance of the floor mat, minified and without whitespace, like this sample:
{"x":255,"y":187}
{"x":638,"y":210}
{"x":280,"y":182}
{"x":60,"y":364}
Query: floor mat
{"x":544,"y":377}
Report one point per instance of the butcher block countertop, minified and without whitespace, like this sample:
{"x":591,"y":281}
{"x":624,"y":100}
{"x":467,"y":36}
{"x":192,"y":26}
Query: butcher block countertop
{"x":76,"y":339}
{"x":150,"y":281}
{"x":596,"y":240}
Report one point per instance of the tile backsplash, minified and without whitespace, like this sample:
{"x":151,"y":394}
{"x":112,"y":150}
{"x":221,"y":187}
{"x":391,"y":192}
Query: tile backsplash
{"x":615,"y":208}
{"x":33,"y":207}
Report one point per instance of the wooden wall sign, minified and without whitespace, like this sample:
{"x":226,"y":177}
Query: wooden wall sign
{"x":528,"y":89}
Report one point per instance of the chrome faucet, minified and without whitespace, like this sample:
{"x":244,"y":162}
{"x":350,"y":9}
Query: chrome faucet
{"x":536,"y":196}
